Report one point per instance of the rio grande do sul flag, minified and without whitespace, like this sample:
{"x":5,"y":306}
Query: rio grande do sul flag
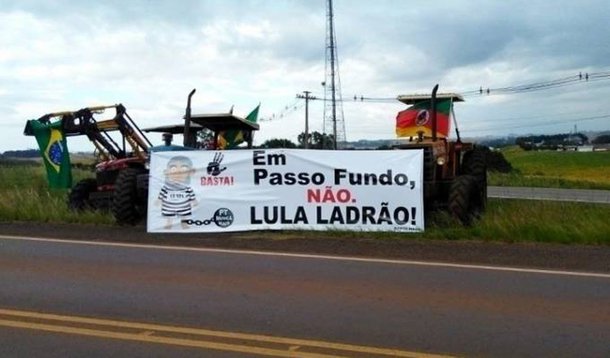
{"x":419,"y":118}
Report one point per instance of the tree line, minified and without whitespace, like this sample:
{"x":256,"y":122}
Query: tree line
{"x":552,"y":141}
{"x":28,"y":153}
{"x":315,"y":140}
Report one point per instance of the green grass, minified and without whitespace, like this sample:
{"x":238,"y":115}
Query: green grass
{"x":533,"y":221}
{"x":26,"y":197}
{"x":507,"y":221}
{"x":551,"y":169}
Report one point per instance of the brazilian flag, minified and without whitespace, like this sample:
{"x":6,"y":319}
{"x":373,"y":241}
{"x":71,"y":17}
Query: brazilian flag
{"x":54,"y":150}
{"x":232,"y":138}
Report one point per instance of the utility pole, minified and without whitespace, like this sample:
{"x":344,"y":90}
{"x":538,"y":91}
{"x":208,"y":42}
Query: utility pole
{"x":307,"y":97}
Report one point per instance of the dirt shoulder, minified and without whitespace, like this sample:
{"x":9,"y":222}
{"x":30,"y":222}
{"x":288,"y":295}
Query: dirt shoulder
{"x":532,"y":255}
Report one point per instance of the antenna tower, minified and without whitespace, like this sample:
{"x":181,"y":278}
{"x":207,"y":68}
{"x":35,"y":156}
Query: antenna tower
{"x":333,"y":105}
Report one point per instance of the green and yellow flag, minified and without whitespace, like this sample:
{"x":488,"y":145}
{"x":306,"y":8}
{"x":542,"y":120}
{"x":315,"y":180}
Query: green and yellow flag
{"x":233,"y":138}
{"x":54,"y":150}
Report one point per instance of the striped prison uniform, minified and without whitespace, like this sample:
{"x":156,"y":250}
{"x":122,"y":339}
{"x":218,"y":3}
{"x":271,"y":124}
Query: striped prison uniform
{"x":176,"y":199}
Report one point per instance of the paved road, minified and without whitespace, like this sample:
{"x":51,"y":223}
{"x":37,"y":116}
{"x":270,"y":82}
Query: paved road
{"x":148,"y":302}
{"x":576,"y":195}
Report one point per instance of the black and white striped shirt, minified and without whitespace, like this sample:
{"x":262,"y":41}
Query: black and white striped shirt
{"x":176,"y":199}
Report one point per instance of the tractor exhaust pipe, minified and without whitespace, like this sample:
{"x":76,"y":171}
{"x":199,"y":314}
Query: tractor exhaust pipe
{"x":433,"y":112}
{"x":187,"y":122}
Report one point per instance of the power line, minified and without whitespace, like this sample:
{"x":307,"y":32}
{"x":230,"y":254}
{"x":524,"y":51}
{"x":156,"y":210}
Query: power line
{"x":549,"y":123}
{"x":539,"y":116}
{"x":538,"y":86}
{"x":580,"y":78}
{"x":284,"y":112}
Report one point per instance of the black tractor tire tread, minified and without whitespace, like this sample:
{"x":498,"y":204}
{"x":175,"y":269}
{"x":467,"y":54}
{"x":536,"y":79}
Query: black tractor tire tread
{"x":474,"y":163}
{"x":124,"y":201}
{"x":465,"y":199}
{"x":78,"y":198}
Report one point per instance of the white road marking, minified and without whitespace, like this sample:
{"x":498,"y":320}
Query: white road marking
{"x":312,"y":256}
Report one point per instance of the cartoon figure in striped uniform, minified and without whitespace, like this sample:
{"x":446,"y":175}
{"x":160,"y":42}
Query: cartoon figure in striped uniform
{"x":176,"y":196}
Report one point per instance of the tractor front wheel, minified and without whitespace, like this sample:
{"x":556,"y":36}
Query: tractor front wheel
{"x":78,"y":199}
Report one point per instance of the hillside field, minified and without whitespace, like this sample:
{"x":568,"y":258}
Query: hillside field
{"x":551,"y":169}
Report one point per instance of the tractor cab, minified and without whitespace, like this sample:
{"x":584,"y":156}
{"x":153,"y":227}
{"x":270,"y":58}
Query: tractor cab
{"x":217,"y":124}
{"x":168,"y":133}
{"x":223,"y":122}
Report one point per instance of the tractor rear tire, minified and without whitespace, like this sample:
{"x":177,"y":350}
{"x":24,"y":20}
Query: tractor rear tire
{"x":127,"y":208}
{"x":474,"y":163}
{"x":466,"y":199}
{"x":78,"y":198}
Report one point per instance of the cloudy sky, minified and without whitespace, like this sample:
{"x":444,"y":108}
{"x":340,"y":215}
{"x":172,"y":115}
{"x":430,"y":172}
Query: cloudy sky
{"x":65,"y":55}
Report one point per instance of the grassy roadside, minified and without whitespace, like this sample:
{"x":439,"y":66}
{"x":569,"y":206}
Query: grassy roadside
{"x":27,"y":198}
{"x":513,"y":221}
{"x":534,"y":221}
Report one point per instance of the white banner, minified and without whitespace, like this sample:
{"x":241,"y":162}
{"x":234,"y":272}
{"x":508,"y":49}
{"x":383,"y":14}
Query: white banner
{"x":280,"y":189}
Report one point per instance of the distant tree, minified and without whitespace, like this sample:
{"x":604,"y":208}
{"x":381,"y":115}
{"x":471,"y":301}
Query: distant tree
{"x":524,"y":143}
{"x":317,"y":140}
{"x":301,"y":140}
{"x":28,"y":153}
{"x":497,"y":142}
{"x":323,"y":141}
{"x":602,"y":139}
{"x":552,"y":141}
{"x":278,"y":143}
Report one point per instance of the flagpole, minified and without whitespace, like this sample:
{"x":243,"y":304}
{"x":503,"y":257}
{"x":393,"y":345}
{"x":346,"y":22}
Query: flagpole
{"x":457,"y":131}
{"x":433,"y":110}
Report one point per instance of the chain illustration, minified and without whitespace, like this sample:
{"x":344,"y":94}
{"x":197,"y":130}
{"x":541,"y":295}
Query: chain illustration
{"x":199,"y":222}
{"x":223,"y":217}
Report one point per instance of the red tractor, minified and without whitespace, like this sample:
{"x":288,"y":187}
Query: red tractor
{"x":455,"y":173}
{"x":121,"y":180}
{"x":118,"y":156}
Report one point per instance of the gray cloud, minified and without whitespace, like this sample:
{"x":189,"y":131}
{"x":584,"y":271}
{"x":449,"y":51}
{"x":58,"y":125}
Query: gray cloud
{"x":149,"y":54}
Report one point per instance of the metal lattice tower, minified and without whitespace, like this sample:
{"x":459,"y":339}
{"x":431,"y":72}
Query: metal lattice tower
{"x":333,"y":104}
